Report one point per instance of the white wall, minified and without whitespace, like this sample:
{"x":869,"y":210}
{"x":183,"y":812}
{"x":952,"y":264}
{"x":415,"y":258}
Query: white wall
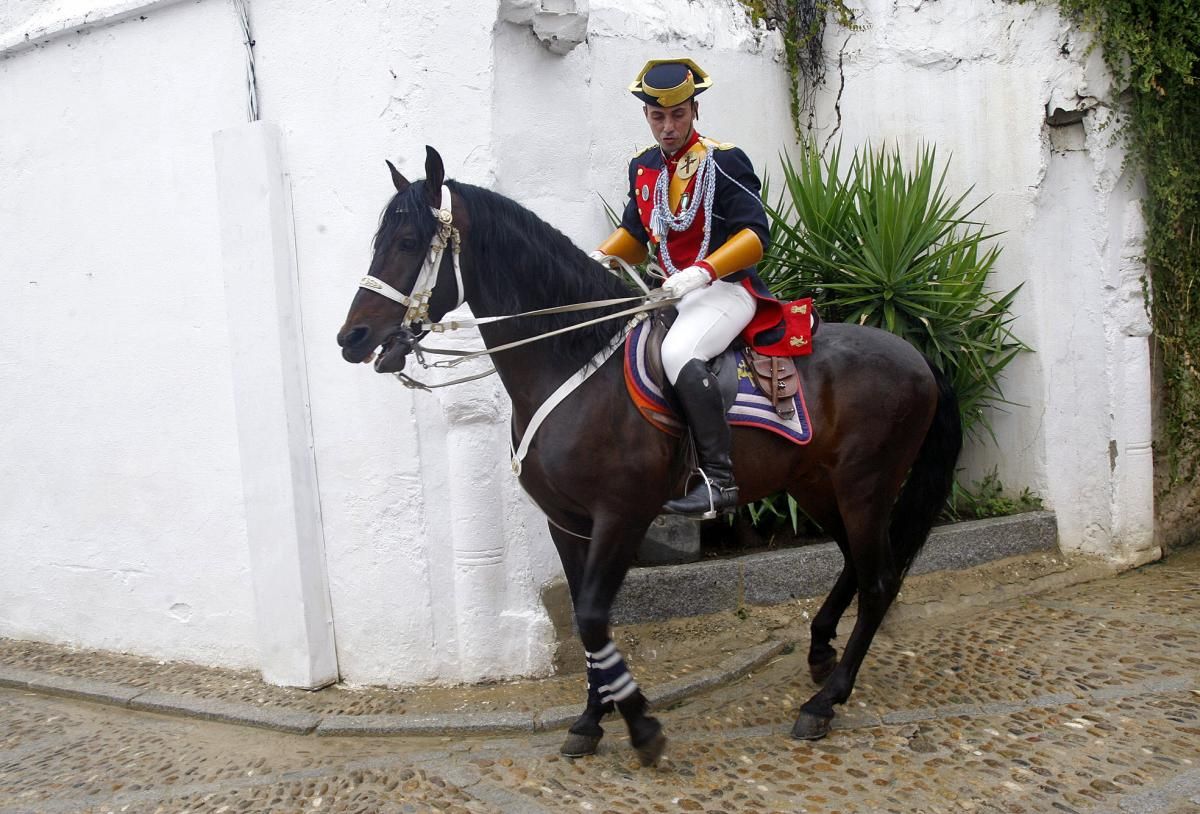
{"x":413,"y":484}
{"x":433,"y":555}
{"x":121,"y":522}
{"x":122,"y":518}
{"x":978,"y":79}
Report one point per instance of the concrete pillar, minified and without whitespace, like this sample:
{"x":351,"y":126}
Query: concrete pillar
{"x":499,"y":629}
{"x":1131,"y":455}
{"x":1132,"y":459}
{"x":283,"y":512}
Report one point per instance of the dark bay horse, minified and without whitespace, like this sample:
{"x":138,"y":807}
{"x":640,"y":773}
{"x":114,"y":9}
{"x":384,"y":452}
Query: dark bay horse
{"x":875,"y":475}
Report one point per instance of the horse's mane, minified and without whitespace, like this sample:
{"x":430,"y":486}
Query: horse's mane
{"x":523,"y":263}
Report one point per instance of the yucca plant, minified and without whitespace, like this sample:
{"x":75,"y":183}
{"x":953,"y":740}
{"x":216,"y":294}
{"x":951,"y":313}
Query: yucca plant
{"x":886,"y":246}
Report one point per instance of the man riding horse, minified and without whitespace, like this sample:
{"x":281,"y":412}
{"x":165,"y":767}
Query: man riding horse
{"x":697,"y":202}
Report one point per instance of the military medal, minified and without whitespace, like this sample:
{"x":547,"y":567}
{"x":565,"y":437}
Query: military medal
{"x":688,"y":165}
{"x":645,"y":192}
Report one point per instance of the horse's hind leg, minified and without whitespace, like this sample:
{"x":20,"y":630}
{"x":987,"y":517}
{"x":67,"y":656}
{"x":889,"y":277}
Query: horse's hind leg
{"x":878,"y":582}
{"x":822,"y":657}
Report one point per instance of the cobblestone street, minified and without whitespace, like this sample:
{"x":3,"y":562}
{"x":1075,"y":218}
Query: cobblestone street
{"x":1083,"y":699}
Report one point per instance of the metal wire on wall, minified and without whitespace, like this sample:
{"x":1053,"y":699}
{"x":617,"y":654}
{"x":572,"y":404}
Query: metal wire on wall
{"x":243,"y":14}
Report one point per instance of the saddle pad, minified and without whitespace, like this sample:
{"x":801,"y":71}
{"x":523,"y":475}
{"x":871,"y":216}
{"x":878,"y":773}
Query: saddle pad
{"x":751,"y":408}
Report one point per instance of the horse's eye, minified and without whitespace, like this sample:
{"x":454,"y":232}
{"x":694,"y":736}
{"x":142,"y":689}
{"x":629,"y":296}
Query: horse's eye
{"x":408,"y":244}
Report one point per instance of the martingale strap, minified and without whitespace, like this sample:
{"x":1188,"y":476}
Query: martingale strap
{"x":566,"y":388}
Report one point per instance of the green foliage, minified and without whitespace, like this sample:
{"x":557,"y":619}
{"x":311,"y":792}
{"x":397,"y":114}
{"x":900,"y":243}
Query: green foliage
{"x":1153,"y":48}
{"x":802,"y":24}
{"x":884,"y":246}
{"x":987,"y":498}
{"x":774,"y":511}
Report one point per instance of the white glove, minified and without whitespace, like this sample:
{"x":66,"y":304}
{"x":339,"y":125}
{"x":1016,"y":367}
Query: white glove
{"x":686,"y":281}
{"x":599,"y":256}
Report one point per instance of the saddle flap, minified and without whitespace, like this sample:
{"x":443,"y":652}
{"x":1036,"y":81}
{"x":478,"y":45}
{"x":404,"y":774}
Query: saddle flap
{"x":775,"y":376}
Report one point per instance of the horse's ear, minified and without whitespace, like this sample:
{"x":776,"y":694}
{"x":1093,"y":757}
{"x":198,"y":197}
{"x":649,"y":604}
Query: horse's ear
{"x":399,"y":180}
{"x":435,"y":175}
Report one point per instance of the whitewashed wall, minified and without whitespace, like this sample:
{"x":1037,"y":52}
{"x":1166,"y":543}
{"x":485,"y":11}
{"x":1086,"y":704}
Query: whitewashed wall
{"x":131,"y":367}
{"x":121,"y":512}
{"x":978,"y":80}
{"x":130,"y":361}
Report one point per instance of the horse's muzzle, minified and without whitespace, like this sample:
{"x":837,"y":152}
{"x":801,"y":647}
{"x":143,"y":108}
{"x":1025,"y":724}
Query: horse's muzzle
{"x":359,"y":345}
{"x":355,"y":343}
{"x":393,"y":354}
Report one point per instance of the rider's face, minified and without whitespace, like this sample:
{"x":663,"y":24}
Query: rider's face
{"x":671,"y":126}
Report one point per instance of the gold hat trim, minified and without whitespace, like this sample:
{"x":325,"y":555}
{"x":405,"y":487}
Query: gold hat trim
{"x":669,"y":97}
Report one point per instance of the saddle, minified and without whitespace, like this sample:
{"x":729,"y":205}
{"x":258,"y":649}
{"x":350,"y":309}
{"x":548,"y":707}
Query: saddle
{"x":775,"y":376}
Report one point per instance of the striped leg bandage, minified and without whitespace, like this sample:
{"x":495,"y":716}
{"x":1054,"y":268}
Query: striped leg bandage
{"x":608,"y":677}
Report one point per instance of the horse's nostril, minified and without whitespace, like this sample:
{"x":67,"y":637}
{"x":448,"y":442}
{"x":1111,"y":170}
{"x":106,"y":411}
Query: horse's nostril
{"x":353,"y":337}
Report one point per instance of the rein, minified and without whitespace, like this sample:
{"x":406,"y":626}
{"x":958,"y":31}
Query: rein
{"x":417,"y":315}
{"x":418,"y":304}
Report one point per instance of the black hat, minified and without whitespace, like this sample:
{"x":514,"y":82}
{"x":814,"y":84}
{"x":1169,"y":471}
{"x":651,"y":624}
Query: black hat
{"x":669,"y":82}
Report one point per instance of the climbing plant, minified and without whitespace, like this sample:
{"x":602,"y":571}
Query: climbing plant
{"x":802,"y":24}
{"x":1152,"y":48}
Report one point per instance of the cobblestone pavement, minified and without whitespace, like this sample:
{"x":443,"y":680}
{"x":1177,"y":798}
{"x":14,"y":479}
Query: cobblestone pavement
{"x":1083,"y":699}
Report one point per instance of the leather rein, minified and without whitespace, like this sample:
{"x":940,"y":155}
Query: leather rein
{"x":417,"y":316}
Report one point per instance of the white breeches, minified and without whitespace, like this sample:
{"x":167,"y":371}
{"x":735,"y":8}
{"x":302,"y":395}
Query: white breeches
{"x":710,"y":319}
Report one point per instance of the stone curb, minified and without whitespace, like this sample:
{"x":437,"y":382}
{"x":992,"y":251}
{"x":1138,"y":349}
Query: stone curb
{"x":450,"y":723}
{"x":230,"y":712}
{"x":302,"y":723}
{"x":773,"y":577}
{"x":84,"y":689}
{"x":649,"y":594}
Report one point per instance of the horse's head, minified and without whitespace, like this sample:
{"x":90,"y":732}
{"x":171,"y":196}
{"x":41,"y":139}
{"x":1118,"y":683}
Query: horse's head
{"x":411,"y":279}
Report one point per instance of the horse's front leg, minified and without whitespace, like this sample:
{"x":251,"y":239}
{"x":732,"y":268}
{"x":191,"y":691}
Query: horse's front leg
{"x":610,"y":554}
{"x":584,"y":735}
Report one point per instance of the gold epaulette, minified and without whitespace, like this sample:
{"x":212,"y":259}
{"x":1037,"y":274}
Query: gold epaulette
{"x":643,"y":151}
{"x":717,"y":145}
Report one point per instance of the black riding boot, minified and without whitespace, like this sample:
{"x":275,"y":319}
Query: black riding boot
{"x":705,"y":413}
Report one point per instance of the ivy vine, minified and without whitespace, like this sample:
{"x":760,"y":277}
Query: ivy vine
{"x":1152,"y":48}
{"x":802,"y":23}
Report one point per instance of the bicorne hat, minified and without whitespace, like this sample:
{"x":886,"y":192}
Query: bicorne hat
{"x":669,"y":82}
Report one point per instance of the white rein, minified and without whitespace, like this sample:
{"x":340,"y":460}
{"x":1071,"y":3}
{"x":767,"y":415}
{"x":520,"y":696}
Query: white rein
{"x":418,"y":314}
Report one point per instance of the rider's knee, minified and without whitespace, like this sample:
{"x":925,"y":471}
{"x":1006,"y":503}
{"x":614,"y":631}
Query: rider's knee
{"x":674,"y":356}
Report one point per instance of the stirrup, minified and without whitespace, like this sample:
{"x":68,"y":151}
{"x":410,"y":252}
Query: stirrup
{"x":713,"y":490}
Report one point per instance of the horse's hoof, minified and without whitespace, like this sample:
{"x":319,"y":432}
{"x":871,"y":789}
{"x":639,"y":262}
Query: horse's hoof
{"x":650,"y":752}
{"x":821,"y":670}
{"x":809,"y":727}
{"x":579,"y":745}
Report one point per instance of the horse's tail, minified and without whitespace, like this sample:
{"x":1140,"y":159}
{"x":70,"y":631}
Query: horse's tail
{"x":931,"y":478}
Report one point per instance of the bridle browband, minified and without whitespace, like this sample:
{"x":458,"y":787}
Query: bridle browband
{"x":422,"y":291}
